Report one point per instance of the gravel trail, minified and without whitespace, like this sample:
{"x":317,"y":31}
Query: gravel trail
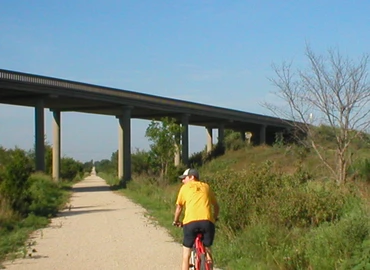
{"x":101,"y":230}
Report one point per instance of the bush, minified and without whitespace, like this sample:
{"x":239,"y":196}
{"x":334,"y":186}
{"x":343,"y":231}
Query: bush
{"x":45,"y":195}
{"x":233,"y":141}
{"x":360,"y":169}
{"x":34,"y":222}
{"x":247,"y":197}
{"x":140,"y":162}
{"x":174,"y":172}
{"x":197,"y":159}
{"x":14,"y":185}
{"x":69,"y":168}
{"x":361,"y":257}
{"x":332,"y":245}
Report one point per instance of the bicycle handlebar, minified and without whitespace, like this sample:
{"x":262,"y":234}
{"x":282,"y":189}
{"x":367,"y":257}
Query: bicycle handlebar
{"x":177,"y":224}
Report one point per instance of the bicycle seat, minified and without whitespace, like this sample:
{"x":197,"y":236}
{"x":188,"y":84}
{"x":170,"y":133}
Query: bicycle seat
{"x":197,"y":231}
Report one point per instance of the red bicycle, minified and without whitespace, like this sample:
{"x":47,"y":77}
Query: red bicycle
{"x":198,"y":256}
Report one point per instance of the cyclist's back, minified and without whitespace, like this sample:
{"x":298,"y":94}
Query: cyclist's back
{"x":198,"y":200}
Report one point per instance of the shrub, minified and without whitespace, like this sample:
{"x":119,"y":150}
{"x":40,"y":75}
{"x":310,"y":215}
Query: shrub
{"x":34,"y":222}
{"x":361,"y":169}
{"x":105,"y":165}
{"x":69,"y":168}
{"x":261,"y":193}
{"x":361,"y":257}
{"x":233,"y":141}
{"x":331,"y":245}
{"x":140,"y":162}
{"x":173,"y":173}
{"x":45,"y":195}
{"x":197,"y":159}
{"x":14,"y":180}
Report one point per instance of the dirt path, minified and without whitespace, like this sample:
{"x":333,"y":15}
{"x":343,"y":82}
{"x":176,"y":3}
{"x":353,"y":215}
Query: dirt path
{"x":102,"y":230}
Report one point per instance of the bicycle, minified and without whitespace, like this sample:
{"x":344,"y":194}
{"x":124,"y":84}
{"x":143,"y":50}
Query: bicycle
{"x":198,"y":255}
{"x":198,"y":258}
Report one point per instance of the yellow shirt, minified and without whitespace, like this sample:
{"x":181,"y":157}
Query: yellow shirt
{"x":198,"y":198}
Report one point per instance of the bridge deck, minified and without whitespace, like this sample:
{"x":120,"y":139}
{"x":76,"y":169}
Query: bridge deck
{"x":26,"y":89}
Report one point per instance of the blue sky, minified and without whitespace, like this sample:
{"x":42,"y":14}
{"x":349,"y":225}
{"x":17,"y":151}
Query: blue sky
{"x":213,"y":52}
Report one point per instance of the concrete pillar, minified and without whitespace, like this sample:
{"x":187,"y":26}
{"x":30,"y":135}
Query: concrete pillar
{"x":124,"y":144}
{"x":177,"y":158}
{"x":263,"y":134}
{"x":209,"y":139}
{"x":242,"y":135}
{"x":185,"y":139}
{"x":56,"y":146}
{"x":248,"y":136}
{"x":221,"y":134}
{"x":39,"y":136}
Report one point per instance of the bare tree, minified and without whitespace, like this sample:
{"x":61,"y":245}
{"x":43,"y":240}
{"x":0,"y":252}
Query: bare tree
{"x":333,"y":91}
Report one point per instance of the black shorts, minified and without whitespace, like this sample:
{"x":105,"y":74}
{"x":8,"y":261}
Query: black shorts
{"x":193,"y":228}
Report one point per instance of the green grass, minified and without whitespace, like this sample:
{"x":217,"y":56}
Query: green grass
{"x":263,"y":243}
{"x":160,"y":205}
{"x":13,"y":238}
{"x":111,"y":180}
{"x":228,"y":249}
{"x":15,"y":230}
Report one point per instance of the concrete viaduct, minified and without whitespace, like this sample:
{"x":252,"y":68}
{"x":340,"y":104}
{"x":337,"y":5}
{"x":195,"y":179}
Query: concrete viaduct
{"x":60,"y":95}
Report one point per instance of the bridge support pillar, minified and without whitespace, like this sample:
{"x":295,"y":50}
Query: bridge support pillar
{"x":124,"y":144}
{"x":248,"y":136}
{"x":209,"y":139}
{"x":39,"y":136}
{"x":221,"y":135}
{"x":242,"y":135}
{"x":177,"y":157}
{"x":185,"y":139}
{"x":263,"y":134}
{"x":56,"y":145}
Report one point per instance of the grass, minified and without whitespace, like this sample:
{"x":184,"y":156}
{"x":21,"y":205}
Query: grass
{"x":109,"y":178}
{"x":15,"y":230}
{"x":257,"y":246}
{"x":159,"y":202}
{"x":262,"y":245}
{"x":160,"y":205}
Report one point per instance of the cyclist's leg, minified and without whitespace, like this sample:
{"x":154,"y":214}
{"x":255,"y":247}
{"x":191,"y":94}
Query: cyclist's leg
{"x":209,"y":235}
{"x":188,"y":242}
{"x":209,"y":257}
{"x":185,"y":258}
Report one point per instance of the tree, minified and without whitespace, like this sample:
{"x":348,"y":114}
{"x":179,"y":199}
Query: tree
{"x":165,"y":138}
{"x":333,"y":91}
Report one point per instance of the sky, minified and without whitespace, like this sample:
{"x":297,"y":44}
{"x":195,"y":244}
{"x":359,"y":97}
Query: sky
{"x":218,"y":53}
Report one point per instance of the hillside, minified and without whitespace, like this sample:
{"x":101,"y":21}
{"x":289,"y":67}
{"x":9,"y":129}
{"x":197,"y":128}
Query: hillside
{"x":279,"y":209}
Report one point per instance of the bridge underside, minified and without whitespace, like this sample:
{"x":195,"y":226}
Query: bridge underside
{"x":65,"y":100}
{"x":67,"y":96}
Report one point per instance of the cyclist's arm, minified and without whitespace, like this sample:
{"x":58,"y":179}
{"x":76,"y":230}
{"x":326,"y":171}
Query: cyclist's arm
{"x":216,"y":207}
{"x":178,"y":213}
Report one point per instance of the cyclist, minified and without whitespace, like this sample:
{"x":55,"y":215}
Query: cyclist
{"x":198,"y":199}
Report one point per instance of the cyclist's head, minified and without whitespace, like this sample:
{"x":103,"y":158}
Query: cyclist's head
{"x":190,"y":172}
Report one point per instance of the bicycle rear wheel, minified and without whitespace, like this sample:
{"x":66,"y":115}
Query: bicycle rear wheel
{"x":192,"y":262}
{"x":202,"y":259}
